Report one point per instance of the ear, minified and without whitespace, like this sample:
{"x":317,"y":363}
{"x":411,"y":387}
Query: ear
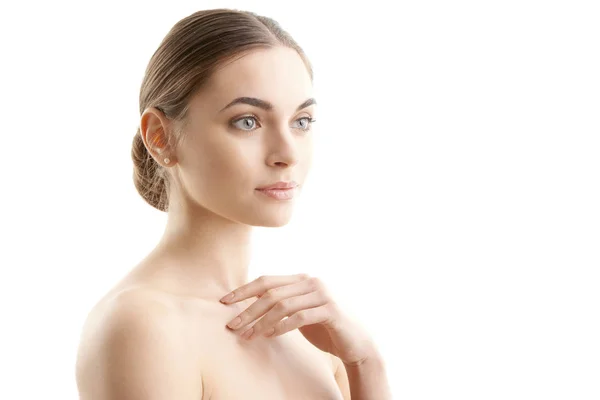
{"x":154,"y":129}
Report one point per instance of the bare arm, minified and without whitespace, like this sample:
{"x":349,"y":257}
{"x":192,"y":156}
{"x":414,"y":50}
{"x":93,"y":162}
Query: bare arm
{"x":136,"y":353}
{"x":367,"y":381}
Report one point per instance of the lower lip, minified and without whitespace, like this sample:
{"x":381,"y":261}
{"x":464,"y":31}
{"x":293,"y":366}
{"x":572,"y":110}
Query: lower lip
{"x":279,"y":194}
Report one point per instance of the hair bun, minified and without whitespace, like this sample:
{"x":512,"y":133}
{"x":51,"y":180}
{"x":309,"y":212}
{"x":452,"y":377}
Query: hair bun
{"x":148,"y":175}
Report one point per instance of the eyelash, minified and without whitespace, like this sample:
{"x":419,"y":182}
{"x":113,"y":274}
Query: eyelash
{"x":249,"y":132}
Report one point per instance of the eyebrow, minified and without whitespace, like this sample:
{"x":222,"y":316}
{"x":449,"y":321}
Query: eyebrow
{"x":265,"y":105}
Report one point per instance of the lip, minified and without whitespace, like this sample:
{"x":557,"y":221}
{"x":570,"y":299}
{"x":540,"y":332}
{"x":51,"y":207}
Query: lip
{"x":279,"y":194}
{"x":279,"y":186}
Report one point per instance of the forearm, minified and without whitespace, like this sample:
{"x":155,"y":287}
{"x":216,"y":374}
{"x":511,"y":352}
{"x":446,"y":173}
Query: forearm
{"x":368,"y":381}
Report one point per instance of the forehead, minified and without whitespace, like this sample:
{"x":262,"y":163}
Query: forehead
{"x":277,"y":75}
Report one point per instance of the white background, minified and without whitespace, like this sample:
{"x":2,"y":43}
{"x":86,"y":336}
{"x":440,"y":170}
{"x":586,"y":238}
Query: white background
{"x":453,"y":205}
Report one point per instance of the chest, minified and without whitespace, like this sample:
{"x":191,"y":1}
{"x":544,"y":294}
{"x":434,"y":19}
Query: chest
{"x":284,"y":368}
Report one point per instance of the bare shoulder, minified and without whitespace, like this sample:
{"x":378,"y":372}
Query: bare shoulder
{"x":132,"y":347}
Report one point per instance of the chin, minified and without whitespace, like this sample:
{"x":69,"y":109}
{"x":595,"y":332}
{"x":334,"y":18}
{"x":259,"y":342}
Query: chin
{"x":269,"y":217}
{"x":273,"y":224}
{"x":270,"y":221}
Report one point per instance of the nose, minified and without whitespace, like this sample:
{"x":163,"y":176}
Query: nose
{"x":284,"y":150}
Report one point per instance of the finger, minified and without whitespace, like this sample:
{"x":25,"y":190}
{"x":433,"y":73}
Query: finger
{"x":260,"y":285}
{"x":287,"y":308}
{"x":269,"y":299}
{"x":301,"y":318}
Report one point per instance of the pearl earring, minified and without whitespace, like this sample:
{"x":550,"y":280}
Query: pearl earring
{"x":167,"y":161}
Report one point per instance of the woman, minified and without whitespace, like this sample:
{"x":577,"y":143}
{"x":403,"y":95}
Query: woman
{"x":224,"y":144}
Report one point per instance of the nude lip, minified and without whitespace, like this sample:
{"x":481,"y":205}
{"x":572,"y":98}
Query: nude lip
{"x":279,"y":185}
{"x":279,"y":194}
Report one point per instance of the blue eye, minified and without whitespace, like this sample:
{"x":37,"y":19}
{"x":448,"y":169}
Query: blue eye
{"x":246,"y":125}
{"x":307,"y":125}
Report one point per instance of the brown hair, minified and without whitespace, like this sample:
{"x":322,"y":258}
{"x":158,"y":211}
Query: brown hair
{"x":185,"y":59}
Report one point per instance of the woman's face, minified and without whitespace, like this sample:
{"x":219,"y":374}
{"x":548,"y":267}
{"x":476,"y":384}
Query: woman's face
{"x":230,"y":150}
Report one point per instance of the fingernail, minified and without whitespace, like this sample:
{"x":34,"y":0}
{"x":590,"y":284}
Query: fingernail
{"x":248,"y":333}
{"x":270,"y":332}
{"x":227,"y":298}
{"x":235,"y":323}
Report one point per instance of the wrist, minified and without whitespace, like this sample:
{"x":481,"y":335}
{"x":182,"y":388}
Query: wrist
{"x":373,"y":358}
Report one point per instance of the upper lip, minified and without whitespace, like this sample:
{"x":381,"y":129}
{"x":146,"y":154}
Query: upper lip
{"x":280,"y":185}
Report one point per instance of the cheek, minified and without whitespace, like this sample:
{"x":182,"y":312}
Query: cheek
{"x":225,"y":166}
{"x":308,"y":155}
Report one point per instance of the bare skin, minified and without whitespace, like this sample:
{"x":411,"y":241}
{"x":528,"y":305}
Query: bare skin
{"x":161,"y":332}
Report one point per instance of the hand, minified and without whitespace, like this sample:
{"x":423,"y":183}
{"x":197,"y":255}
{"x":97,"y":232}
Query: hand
{"x":306,"y":303}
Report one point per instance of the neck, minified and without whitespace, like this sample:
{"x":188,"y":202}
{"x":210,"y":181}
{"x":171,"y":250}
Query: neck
{"x":201,"y":253}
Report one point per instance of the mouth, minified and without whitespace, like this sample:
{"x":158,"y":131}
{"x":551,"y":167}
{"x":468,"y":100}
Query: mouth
{"x":279,"y":194}
{"x":279,"y":185}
